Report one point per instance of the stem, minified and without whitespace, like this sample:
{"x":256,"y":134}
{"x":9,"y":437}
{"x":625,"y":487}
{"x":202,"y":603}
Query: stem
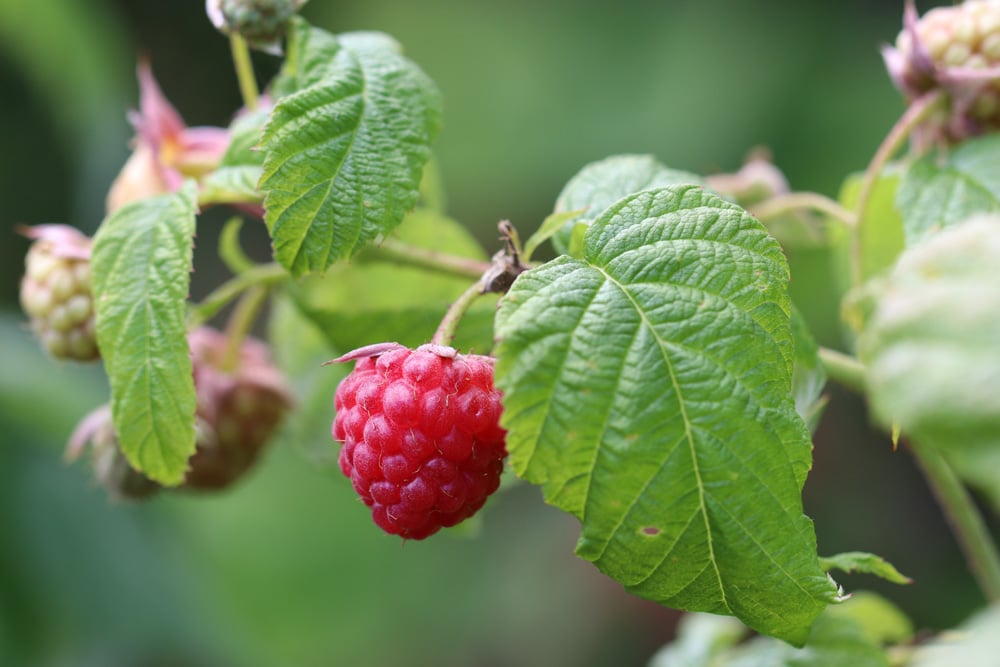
{"x":262,"y":274}
{"x":244,"y":71}
{"x":966,"y":522}
{"x":843,"y":368}
{"x":782,"y":204}
{"x":240,"y":323}
{"x":914,"y":115}
{"x":403,"y":253}
{"x":446,"y":330}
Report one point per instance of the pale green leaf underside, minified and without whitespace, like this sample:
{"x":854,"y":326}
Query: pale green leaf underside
{"x":647,"y":388}
{"x":930,"y":346}
{"x":344,"y":152}
{"x":975,"y":642}
{"x":142,"y":268}
{"x":936,"y":192}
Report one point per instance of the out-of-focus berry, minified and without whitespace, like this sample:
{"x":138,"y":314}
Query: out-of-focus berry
{"x":955,"y":49}
{"x":241,"y":402}
{"x":56,"y":293}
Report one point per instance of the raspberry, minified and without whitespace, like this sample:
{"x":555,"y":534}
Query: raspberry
{"x":238,"y":410}
{"x":260,"y":22}
{"x":55,"y":291}
{"x":422,"y":443}
{"x":111,"y":469}
{"x":956,"y":49}
{"x":240,"y":404}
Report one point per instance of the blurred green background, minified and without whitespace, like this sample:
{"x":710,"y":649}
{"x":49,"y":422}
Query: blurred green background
{"x":287,"y":569}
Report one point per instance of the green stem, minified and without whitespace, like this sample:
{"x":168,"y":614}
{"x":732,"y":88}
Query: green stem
{"x":262,"y":274}
{"x":240,"y":322}
{"x":843,"y":369}
{"x":449,"y":324}
{"x":915,"y":114}
{"x":392,"y":250}
{"x":962,"y":514}
{"x":780,"y":205}
{"x":244,"y":71}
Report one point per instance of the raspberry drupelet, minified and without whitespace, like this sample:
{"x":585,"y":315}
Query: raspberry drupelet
{"x":422,"y":444}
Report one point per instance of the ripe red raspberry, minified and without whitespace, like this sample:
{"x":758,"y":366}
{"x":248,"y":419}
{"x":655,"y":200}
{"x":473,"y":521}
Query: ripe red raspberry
{"x":422,"y":443}
{"x":55,"y":291}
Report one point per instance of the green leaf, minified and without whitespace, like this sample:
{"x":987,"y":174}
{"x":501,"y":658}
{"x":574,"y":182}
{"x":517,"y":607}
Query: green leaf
{"x":881,"y":224}
{"x":231,"y":185}
{"x":647,"y":387}
{"x":245,"y":135}
{"x":837,"y":640}
{"x":939,"y":191}
{"x":357,"y":304}
{"x":299,"y":350}
{"x":808,"y":374}
{"x":975,"y":642}
{"x":845,"y":635}
{"x":142,"y":268}
{"x":600,"y":184}
{"x":548,"y":228}
{"x":929,"y":341}
{"x":882,"y":622}
{"x":701,"y":638}
{"x":345,"y":151}
{"x":860,"y":561}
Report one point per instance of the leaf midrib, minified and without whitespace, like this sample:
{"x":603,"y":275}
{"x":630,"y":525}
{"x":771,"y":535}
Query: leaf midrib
{"x":688,"y":435}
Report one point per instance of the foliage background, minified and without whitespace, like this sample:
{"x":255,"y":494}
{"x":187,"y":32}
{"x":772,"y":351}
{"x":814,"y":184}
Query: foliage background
{"x":286,"y":568}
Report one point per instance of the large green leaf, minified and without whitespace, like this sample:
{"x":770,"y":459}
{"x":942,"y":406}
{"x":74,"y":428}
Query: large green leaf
{"x":602,"y":183}
{"x":371,"y":300}
{"x":930,"y":344}
{"x":142,"y":268}
{"x":975,"y":642}
{"x":938,"y":191}
{"x":648,"y":389}
{"x":345,"y":148}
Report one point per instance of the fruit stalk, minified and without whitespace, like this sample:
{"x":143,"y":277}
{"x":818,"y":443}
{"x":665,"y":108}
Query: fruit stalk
{"x":449,"y":324}
{"x":915,"y":114}
{"x":244,"y":71}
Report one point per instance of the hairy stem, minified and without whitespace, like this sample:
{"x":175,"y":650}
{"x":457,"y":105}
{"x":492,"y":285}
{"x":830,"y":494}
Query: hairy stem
{"x":843,"y":369}
{"x":244,"y":71}
{"x":240,"y":322}
{"x":795,"y":201}
{"x":915,"y":114}
{"x":262,"y":274}
{"x":449,"y":324}
{"x":966,"y":522}
{"x":392,"y":250}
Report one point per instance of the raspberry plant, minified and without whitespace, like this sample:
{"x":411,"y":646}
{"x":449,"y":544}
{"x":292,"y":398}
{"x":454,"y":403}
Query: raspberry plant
{"x":653,"y":378}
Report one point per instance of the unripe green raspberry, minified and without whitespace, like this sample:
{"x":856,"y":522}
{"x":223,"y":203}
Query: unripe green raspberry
{"x":955,"y":49}
{"x":56,"y":293}
{"x":260,"y":22}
